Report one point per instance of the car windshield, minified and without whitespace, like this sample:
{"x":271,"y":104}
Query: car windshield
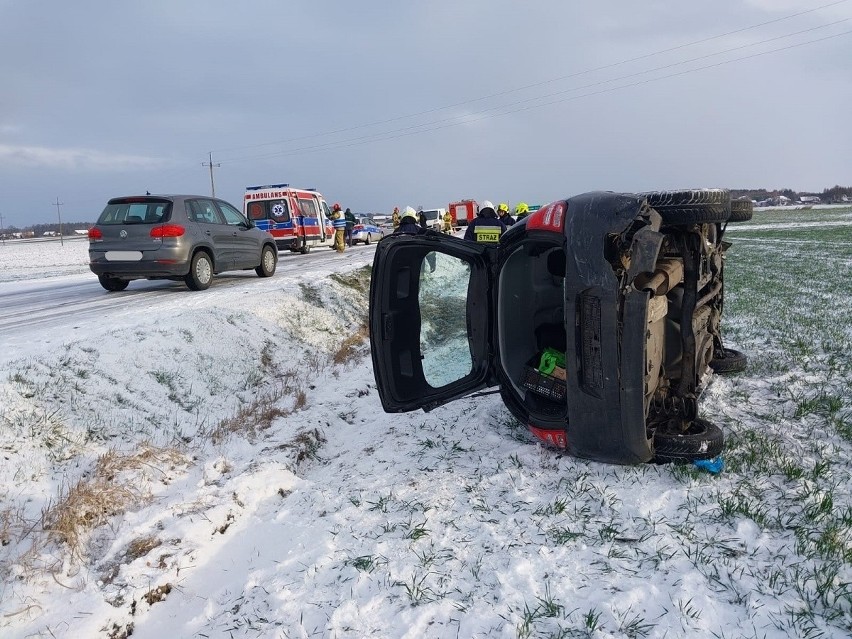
{"x":135,"y":211}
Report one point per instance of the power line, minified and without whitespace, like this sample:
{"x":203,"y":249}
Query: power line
{"x":484,"y":114}
{"x":537,"y":84}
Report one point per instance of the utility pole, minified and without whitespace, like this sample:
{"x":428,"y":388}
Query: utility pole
{"x":2,"y":232}
{"x":57,"y":204}
{"x":211,"y":165}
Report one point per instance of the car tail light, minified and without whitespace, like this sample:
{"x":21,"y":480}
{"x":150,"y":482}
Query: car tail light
{"x":553,"y":437}
{"x":168,"y":230}
{"x":95,"y":234}
{"x":548,"y":218}
{"x":358,"y":227}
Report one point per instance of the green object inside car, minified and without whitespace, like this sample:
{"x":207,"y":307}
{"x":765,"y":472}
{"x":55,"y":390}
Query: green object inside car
{"x":550,"y":359}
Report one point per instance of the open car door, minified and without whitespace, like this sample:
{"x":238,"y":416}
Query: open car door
{"x":431,"y":320}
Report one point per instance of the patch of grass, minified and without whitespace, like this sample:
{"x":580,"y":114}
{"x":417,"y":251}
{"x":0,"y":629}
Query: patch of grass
{"x":141,"y":546}
{"x":259,"y":414}
{"x":358,"y":280}
{"x":110,"y":489}
{"x":311,"y":295}
{"x":351,"y":347}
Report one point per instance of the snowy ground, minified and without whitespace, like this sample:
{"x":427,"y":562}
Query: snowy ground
{"x":218,"y":465}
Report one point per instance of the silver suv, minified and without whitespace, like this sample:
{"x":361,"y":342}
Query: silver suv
{"x":175,"y":237}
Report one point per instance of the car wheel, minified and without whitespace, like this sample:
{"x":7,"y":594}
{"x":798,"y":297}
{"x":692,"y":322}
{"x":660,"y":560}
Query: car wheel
{"x":112,"y":284}
{"x":200,"y":272}
{"x":741,"y":210}
{"x":691,"y":206}
{"x":367,"y":241}
{"x":268,"y":260}
{"x":730,"y":361}
{"x":700,"y":440}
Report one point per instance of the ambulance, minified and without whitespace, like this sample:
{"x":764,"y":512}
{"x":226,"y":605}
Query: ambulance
{"x":298,"y":219}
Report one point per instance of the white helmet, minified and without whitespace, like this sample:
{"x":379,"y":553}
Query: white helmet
{"x":408,"y":212}
{"x":486,"y":204}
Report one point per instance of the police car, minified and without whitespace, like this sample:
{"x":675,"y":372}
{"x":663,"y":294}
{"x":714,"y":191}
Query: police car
{"x":366,"y":230}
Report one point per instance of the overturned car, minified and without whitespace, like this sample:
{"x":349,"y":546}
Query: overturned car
{"x":598,"y":316}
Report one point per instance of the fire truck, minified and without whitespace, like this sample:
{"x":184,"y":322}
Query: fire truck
{"x":298,"y":219}
{"x":463,"y":212}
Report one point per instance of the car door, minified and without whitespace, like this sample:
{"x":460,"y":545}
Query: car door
{"x":245,"y":242}
{"x":213,"y":229}
{"x":431,"y":320}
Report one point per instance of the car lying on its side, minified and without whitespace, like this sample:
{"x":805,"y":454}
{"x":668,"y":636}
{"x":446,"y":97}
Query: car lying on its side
{"x":175,"y":237}
{"x":366,"y":230}
{"x":598,"y":316}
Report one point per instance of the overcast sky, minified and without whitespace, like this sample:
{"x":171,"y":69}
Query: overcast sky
{"x":379,"y":104}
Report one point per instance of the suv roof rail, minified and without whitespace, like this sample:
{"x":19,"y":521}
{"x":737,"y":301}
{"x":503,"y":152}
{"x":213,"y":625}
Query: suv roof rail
{"x":267,"y":186}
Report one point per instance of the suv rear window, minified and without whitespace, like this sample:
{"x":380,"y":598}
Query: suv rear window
{"x":135,"y":212}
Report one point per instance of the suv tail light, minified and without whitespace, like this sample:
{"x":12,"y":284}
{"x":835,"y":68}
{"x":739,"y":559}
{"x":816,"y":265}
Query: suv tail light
{"x":168,"y":230}
{"x":548,"y":218}
{"x":95,"y":234}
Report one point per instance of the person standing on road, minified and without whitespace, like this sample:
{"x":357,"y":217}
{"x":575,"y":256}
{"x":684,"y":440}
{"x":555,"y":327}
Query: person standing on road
{"x":350,"y":224}
{"x":339,"y":222}
{"x":521,"y":211}
{"x":503,"y":213}
{"x":447,"y":223}
{"x":395,"y":218}
{"x":424,"y":223}
{"x":486,"y":228}
{"x":408,"y":225}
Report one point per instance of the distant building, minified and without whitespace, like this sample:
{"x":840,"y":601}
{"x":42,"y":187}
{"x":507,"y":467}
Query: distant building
{"x":809,"y":199}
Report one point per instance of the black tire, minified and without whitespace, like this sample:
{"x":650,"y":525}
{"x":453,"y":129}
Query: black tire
{"x":268,"y":261}
{"x":741,"y":210}
{"x":367,"y":241}
{"x":112,"y":284}
{"x":701,"y":440}
{"x":730,"y":361}
{"x":691,"y":206}
{"x":200,"y":272}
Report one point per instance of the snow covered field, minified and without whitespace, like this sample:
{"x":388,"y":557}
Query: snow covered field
{"x":218,"y":464}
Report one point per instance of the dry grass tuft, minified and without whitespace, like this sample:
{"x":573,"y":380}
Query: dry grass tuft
{"x":141,"y":546}
{"x":260,"y":413}
{"x":350,"y":348}
{"x":111,"y":489}
{"x":306,"y":444}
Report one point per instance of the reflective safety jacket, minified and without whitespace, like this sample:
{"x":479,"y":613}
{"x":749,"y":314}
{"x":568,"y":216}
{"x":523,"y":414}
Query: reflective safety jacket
{"x":485,"y":229}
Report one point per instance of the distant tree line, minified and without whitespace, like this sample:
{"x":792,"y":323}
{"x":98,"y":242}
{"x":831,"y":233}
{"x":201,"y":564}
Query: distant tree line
{"x":40,"y":229}
{"x":828,"y":196}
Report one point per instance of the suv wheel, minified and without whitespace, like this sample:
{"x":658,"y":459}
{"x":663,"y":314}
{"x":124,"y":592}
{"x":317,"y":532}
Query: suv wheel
{"x":200,"y":272}
{"x":268,"y":260}
{"x":112,"y":284}
{"x":700,"y":440}
{"x":729,"y":361}
{"x":741,"y":210}
{"x":691,"y":206}
{"x":367,"y":241}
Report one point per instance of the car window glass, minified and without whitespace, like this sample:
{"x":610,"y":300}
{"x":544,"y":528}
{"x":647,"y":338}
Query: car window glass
{"x":134,"y":213}
{"x":325,"y":210}
{"x":308,"y":208}
{"x":279,"y":210}
{"x":255,"y":211}
{"x":444,"y":344}
{"x":232,"y":216}
{"x":204,"y":211}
